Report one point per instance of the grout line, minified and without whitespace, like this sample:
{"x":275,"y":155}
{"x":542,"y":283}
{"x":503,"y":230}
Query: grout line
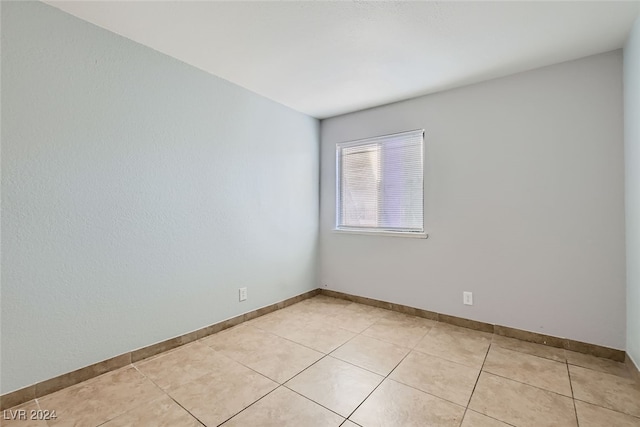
{"x":530,"y":354}
{"x":395,"y":343}
{"x":565,"y":362}
{"x":600,"y":371}
{"x":287,"y":339}
{"x":278,"y":336}
{"x":400,"y":382}
{"x":520,"y":382}
{"x":306,"y":296}
{"x":278,"y":383}
{"x":165,"y":393}
{"x":424,"y":353}
{"x":285,"y":303}
{"x":235,"y":361}
{"x":563,"y":395}
{"x":249,"y":367}
{"x":244,"y":366}
{"x":168,"y":395}
{"x":325,"y":355}
{"x":425,"y":392}
{"x":250,"y":405}
{"x":607,"y":408}
{"x":344,"y":361}
{"x":366,"y":369}
{"x":295,"y":342}
{"x":374,"y":303}
{"x":186,"y":410}
{"x":573,"y":397}
{"x":40,"y":408}
{"x":379,"y":384}
{"x":317,"y":403}
{"x":489,"y":416}
{"x":345,"y":343}
{"x":530,"y":385}
{"x":356,"y":366}
{"x":94,"y":379}
{"x":409,"y":352}
{"x":314,"y":363}
{"x":476,"y":383}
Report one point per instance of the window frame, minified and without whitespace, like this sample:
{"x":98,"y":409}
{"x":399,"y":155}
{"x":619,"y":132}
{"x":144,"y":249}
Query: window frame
{"x":376,"y":231}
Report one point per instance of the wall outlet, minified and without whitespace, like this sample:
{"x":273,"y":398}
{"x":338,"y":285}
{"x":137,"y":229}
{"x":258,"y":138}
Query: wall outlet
{"x":242,"y":293}
{"x":467,"y":298}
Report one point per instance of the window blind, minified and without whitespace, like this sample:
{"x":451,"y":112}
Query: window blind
{"x":380,"y":183}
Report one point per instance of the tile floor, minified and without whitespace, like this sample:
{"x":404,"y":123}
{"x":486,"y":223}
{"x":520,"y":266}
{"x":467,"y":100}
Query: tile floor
{"x":328,"y":362}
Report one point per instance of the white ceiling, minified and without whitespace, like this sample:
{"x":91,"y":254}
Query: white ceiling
{"x":330,"y":58}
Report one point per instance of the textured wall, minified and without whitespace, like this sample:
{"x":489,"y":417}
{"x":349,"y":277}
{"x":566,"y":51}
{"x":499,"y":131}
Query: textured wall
{"x":138,"y":195}
{"x":632,"y":187}
{"x":524,"y":204}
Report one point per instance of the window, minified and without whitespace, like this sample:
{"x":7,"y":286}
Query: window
{"x":380,"y":185}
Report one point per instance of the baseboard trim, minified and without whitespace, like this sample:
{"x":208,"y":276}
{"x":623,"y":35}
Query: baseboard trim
{"x":69,"y":379}
{"x":565,"y":343}
{"x":52,"y":385}
{"x":633,"y":367}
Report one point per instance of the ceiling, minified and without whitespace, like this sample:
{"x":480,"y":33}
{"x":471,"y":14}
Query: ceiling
{"x":329,"y":58}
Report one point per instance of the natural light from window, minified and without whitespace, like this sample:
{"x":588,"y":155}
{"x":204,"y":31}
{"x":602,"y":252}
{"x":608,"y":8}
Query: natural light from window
{"x":380,"y":185}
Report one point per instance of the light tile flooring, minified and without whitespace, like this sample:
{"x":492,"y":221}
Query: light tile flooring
{"x":327,"y":362}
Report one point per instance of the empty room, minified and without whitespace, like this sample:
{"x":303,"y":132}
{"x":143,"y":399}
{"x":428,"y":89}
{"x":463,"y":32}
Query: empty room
{"x":319,"y":214}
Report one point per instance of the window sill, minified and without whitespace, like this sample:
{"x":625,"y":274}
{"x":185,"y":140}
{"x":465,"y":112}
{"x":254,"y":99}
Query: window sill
{"x":382,"y":233}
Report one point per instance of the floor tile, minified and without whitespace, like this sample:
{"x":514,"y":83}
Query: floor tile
{"x":266,"y":353}
{"x":400,"y":329}
{"x":598,"y":364}
{"x":324,"y":359}
{"x":596,"y":416}
{"x":395,"y":404}
{"x":553,"y":353}
{"x":239,"y":341}
{"x":273,"y":319}
{"x":284,"y":407}
{"x":609,"y":391}
{"x":163,"y":412}
{"x":371,"y":354}
{"x":317,"y":335}
{"x":521,"y":404}
{"x":474,"y":419}
{"x":335,"y":384}
{"x":282,"y":319}
{"x":322,"y":305}
{"x":177,"y":367}
{"x":533,"y":370}
{"x":215,"y":398}
{"x":23,"y":416}
{"x":448,"y":380}
{"x":100,"y":399}
{"x":456,"y":344}
{"x":357,"y":317}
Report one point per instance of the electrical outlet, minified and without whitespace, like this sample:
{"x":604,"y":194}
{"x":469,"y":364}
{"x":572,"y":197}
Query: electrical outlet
{"x":467,"y":298}
{"x":243,"y":293}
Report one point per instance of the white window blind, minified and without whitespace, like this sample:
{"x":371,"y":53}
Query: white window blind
{"x":380,"y":184}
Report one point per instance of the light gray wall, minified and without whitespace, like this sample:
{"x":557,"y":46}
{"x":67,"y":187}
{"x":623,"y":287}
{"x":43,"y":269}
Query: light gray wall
{"x":524,"y":204}
{"x":138,"y":195}
{"x":632,"y":187}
